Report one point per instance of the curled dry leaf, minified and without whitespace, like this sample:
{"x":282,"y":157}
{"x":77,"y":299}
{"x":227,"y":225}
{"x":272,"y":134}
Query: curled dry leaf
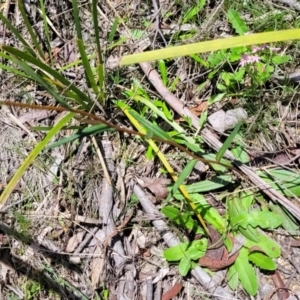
{"x":157,"y":186}
{"x":196,"y":110}
{"x":212,"y":259}
{"x":281,"y":290}
{"x":173,"y":292}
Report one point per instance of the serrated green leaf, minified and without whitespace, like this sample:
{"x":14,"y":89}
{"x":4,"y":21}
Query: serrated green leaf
{"x":193,"y":11}
{"x":262,"y":261}
{"x":246,"y":273}
{"x":217,"y":58}
{"x":184,"y":266}
{"x":247,"y":198}
{"x":281,"y":59}
{"x":182,"y":250}
{"x":236,"y":22}
{"x":270,"y":247}
{"x":182,"y":219}
{"x":264,"y":219}
{"x":236,"y":53}
{"x":197,"y":249}
{"x":240,"y":154}
{"x":233,"y":278}
{"x":288,"y":223}
{"x":238,"y":215}
{"x":240,"y":220}
{"x":250,"y":233}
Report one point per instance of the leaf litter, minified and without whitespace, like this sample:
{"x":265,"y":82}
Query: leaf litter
{"x":77,"y":188}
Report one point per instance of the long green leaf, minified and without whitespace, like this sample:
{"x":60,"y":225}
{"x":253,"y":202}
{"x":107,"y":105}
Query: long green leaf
{"x":30,"y":29}
{"x":101,"y":66}
{"x":11,"y":69}
{"x":77,"y":19}
{"x":268,"y":246}
{"x":46,"y":29}
{"x":191,"y":143}
{"x":246,"y":272}
{"x":228,"y":142}
{"x":87,"y":131}
{"x":40,"y":65}
{"x":237,"y":23}
{"x":214,"y":45}
{"x":183,"y":175}
{"x":87,"y":67}
{"x":209,"y":185}
{"x":32,"y":156}
{"x":287,"y":182}
{"x":17,"y":34}
{"x":41,"y":81}
{"x":262,"y":261}
{"x":152,"y":130}
{"x":210,"y":214}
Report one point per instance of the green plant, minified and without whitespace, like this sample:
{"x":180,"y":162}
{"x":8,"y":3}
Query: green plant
{"x":31,"y":289}
{"x":186,"y":254}
{"x":235,"y":68}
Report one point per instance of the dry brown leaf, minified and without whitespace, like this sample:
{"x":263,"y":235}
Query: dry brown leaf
{"x":215,"y":244}
{"x":74,"y":241}
{"x":215,"y":265}
{"x":171,"y":293}
{"x":212,"y":260}
{"x":281,"y":290}
{"x":196,"y":110}
{"x":295,"y":243}
{"x":157,"y":186}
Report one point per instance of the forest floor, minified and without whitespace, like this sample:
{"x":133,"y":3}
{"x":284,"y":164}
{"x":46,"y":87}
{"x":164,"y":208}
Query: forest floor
{"x":94,"y":213}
